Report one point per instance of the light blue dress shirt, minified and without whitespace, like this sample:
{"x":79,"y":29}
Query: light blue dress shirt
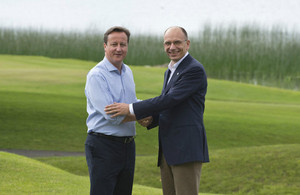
{"x":105,"y":85}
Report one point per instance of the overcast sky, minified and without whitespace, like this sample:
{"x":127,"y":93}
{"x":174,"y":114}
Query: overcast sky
{"x":147,"y":16}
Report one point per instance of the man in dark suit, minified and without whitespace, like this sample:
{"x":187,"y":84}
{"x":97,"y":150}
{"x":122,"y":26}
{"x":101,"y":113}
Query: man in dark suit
{"x":179,"y":113}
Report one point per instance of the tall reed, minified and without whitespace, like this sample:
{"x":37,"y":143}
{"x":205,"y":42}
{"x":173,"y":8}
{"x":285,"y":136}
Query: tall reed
{"x":247,"y":54}
{"x":250,"y":54}
{"x":84,"y":46}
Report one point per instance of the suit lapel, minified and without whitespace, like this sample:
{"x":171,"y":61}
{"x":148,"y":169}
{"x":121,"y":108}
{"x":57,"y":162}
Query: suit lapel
{"x":176,"y":74}
{"x":166,"y":78}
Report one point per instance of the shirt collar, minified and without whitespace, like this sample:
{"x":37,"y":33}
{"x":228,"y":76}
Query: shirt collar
{"x":172,"y":68}
{"x":110,"y":67}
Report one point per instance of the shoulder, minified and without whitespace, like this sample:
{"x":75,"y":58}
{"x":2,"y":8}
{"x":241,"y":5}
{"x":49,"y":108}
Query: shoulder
{"x":194,"y":61}
{"x":128,"y":69}
{"x":193,"y":64}
{"x":97,"y":70}
{"x":127,"y":72}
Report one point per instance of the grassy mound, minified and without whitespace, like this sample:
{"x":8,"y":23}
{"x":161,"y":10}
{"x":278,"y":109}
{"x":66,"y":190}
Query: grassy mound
{"x":43,"y":107}
{"x":253,"y":131}
{"x":21,"y":175}
{"x":252,"y":170}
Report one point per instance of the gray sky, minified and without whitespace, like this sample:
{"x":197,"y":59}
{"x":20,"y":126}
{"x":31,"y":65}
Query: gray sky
{"x":144,"y":16}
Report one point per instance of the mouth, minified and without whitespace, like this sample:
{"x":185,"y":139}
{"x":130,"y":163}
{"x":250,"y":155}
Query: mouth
{"x":173,"y":53}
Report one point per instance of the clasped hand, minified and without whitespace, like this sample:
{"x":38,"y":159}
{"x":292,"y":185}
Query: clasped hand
{"x":118,"y":109}
{"x":145,"y":122}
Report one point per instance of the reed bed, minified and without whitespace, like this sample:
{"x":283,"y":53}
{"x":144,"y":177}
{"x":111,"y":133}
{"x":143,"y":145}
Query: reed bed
{"x":248,"y":54}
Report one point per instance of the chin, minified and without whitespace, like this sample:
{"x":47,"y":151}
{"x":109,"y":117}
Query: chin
{"x":174,"y":58}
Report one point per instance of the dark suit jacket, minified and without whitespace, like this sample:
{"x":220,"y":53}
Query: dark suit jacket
{"x":179,"y":113}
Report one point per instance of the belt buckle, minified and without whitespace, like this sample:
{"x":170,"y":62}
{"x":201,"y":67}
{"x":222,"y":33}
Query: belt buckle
{"x":128,"y":140}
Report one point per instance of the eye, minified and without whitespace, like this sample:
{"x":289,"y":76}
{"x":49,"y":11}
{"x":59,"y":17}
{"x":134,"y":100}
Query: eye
{"x":123,"y":44}
{"x":177,"y":42}
{"x":167,"y":43}
{"x":114,"y":44}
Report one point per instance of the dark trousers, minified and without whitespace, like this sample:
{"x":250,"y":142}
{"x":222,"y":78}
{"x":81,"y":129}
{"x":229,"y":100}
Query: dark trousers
{"x":111,"y":165}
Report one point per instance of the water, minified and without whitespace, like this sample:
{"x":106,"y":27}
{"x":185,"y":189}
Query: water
{"x":151,"y":17}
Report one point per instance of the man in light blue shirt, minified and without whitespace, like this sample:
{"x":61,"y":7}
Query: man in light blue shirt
{"x":106,"y":85}
{"x":110,"y":146}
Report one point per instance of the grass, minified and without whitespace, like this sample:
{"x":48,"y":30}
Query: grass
{"x":253,"y":170}
{"x":249,"y":54}
{"x":229,"y":172}
{"x":22,"y":175}
{"x":253,"y":131}
{"x":241,"y":170}
{"x":42,"y":101}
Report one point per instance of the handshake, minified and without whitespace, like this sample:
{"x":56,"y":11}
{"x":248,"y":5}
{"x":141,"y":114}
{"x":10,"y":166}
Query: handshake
{"x":145,"y":122}
{"x":119,"y":109}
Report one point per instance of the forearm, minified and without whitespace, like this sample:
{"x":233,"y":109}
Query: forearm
{"x":129,"y":118}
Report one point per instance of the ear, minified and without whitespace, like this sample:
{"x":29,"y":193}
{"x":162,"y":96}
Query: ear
{"x":188,"y":44}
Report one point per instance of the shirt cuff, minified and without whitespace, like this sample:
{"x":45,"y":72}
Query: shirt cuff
{"x":131,"y":109}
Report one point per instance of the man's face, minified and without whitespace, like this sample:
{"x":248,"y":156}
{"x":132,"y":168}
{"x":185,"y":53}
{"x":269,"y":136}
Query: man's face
{"x":116,"y":48}
{"x":175,"y":44}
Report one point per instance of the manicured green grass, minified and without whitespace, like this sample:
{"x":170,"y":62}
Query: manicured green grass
{"x":236,"y":124}
{"x":253,"y":170}
{"x":43,"y":107}
{"x":245,"y":170}
{"x":21,"y":175}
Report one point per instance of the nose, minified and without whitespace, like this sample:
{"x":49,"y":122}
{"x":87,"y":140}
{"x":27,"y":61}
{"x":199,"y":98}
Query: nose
{"x":172,"y":46}
{"x":118,"y":48}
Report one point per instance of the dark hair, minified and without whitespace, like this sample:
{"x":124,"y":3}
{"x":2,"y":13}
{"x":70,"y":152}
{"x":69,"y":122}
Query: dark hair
{"x":116,"y":29}
{"x":182,"y":29}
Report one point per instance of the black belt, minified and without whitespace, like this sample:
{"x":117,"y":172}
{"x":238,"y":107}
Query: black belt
{"x":124,"y":140}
